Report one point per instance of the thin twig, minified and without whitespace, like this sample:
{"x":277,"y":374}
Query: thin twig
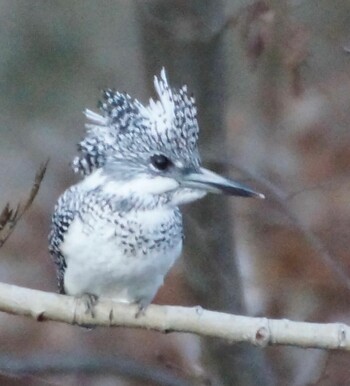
{"x":9,"y":217}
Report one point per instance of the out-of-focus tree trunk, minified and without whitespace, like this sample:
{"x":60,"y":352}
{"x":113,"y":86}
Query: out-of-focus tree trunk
{"x":184,"y":37}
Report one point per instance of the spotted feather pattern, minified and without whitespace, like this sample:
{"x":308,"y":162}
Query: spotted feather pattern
{"x":95,"y":207}
{"x":64,"y":213}
{"x":126,"y":129}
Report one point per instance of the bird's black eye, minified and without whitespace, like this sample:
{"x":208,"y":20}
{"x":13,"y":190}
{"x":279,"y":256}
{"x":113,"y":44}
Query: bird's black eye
{"x":160,"y":162}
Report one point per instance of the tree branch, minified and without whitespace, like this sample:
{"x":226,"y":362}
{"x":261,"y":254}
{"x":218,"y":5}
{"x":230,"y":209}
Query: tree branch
{"x":9,"y":217}
{"x":233,"y":328}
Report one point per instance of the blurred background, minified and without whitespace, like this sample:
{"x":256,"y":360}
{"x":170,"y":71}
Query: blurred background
{"x":272,"y":83}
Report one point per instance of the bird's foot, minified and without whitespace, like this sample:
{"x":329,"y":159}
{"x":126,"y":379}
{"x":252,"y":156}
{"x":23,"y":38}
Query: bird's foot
{"x":90,"y":302}
{"x":141,"y":309}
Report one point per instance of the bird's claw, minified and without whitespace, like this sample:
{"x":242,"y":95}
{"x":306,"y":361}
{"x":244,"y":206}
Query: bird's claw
{"x":90,"y":302}
{"x":141,"y":310}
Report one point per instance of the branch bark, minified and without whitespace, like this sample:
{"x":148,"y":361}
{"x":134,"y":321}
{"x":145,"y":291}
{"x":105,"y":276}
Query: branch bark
{"x":261,"y":332}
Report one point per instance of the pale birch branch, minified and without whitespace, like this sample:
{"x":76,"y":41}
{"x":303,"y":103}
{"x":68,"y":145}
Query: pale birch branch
{"x":233,"y":328}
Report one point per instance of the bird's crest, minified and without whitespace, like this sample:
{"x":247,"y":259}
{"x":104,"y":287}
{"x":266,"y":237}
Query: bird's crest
{"x":127,"y":129}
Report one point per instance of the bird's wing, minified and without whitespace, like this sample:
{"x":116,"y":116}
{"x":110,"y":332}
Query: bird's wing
{"x":64,"y":214}
{"x":91,"y":206}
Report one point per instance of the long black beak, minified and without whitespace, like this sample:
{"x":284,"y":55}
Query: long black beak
{"x":209,"y":181}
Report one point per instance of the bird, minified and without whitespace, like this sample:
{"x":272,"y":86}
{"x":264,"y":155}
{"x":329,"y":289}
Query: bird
{"x":117,"y":232}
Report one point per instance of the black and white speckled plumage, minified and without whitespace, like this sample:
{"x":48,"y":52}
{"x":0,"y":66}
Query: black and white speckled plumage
{"x":98,"y":209}
{"x":64,"y":213}
{"x":145,"y":226}
{"x":128,"y":130}
{"x":118,"y":231}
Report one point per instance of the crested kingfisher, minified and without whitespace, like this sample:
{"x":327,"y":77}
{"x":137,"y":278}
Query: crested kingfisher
{"x":118,"y":231}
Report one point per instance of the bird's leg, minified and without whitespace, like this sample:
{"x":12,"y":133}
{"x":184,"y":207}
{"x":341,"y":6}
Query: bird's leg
{"x":90,"y":302}
{"x":141,"y":308}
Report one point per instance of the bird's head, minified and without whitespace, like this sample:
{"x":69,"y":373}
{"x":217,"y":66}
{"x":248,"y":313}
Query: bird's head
{"x":151,"y":150}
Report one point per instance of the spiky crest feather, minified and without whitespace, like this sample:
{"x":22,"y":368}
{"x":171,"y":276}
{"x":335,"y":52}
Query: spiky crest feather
{"x":128,"y":129}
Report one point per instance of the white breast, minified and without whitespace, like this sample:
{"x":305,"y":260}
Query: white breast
{"x":97,"y":262}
